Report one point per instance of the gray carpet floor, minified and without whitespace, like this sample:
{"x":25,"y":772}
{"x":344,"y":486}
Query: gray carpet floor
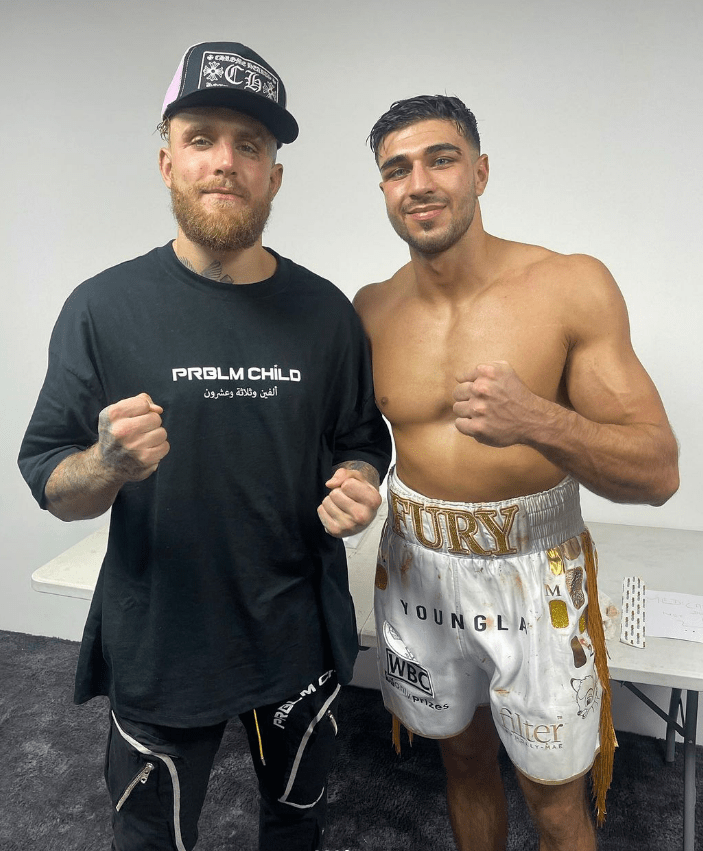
{"x":52,"y":796}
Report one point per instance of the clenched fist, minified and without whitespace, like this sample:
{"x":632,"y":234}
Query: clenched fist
{"x":352,"y":502}
{"x":494,"y":406}
{"x":131,"y":439}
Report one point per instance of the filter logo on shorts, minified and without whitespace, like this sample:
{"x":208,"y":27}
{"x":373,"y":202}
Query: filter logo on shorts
{"x":402,"y":666}
{"x":538,"y":736}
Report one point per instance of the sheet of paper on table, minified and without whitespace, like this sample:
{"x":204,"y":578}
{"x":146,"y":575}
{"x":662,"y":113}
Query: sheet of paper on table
{"x":674,"y":615}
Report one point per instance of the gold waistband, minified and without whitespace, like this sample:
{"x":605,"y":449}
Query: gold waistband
{"x":525,"y":524}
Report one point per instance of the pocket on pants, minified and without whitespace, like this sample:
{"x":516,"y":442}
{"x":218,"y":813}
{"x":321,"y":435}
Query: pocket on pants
{"x":294,"y":743}
{"x":307,"y":778}
{"x":141,"y":777}
{"x":127,"y":771}
{"x":143,"y":786}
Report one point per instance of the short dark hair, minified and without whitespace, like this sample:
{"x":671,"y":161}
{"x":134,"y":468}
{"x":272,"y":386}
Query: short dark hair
{"x":421,"y":108}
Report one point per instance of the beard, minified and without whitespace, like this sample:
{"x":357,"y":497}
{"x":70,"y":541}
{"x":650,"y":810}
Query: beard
{"x":220,"y":228}
{"x":435,"y":240}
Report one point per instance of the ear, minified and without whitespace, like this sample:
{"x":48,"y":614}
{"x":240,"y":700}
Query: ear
{"x":165,"y":165}
{"x":481,"y":173}
{"x":275,"y":179}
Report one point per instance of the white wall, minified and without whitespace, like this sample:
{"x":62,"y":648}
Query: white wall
{"x":590,"y":114}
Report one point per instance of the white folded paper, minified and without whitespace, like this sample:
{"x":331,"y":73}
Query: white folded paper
{"x":671,"y":614}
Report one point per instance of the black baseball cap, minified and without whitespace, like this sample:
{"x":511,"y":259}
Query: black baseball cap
{"x":226,"y":73}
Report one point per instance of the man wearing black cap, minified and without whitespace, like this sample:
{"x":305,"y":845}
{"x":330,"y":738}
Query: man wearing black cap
{"x":218,"y":398}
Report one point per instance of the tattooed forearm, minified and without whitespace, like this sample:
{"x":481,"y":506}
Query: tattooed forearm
{"x":368,"y":471}
{"x":78,"y":488}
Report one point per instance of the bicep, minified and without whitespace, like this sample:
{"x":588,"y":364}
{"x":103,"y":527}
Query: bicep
{"x":605,"y":381}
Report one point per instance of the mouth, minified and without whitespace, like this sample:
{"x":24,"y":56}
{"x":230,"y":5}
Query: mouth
{"x":222,"y":192}
{"x":423,"y":214}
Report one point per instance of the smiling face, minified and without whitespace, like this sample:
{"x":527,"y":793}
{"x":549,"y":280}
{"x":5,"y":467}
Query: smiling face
{"x":431,"y":177}
{"x":220,"y":168}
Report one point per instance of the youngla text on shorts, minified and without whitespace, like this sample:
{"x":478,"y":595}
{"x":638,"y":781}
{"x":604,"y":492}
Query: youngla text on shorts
{"x":454,"y":620}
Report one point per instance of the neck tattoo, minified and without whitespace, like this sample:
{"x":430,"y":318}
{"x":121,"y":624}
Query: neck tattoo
{"x":213,"y":272}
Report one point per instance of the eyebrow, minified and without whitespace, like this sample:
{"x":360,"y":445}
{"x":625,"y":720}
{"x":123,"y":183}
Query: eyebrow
{"x":432,"y":149}
{"x":194,"y":128}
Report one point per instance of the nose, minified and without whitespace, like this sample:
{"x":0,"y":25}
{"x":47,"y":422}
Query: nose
{"x":421,"y":181}
{"x":224,"y":158}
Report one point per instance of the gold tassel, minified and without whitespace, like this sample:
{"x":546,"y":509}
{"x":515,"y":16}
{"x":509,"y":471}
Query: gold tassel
{"x":396,"y":734}
{"x":602,"y":771}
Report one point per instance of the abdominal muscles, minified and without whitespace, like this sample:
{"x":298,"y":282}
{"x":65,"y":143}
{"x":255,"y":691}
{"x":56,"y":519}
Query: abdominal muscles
{"x":438,"y":461}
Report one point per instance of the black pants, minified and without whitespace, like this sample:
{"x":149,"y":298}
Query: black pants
{"x":157,"y":776}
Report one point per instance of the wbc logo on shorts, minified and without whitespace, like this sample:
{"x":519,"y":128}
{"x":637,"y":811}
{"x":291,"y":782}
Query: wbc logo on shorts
{"x":402,"y":666}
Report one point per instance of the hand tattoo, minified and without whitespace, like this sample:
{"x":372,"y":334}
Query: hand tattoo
{"x":113,"y":454}
{"x":368,"y":471}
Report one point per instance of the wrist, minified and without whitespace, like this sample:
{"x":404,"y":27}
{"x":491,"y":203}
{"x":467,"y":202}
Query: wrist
{"x":107,"y":466}
{"x":548,"y":422}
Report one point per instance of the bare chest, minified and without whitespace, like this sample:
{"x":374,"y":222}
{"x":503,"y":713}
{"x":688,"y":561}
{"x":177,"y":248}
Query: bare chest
{"x":419,"y":353}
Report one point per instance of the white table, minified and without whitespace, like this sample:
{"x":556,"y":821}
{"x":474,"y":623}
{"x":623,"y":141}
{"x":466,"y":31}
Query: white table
{"x":74,"y":572}
{"x":665,"y":559}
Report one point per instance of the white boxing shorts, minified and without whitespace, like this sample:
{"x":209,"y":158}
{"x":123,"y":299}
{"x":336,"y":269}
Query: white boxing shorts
{"x":487,"y":604}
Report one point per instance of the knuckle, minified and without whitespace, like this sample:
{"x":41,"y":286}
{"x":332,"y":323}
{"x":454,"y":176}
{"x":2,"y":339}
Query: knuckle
{"x":362,"y":514}
{"x":119,"y":431}
{"x":112,"y":413}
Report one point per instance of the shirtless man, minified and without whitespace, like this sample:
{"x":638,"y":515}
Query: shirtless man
{"x":508,"y":376}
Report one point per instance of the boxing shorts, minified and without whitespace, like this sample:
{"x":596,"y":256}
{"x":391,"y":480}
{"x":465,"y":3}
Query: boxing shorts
{"x":489,"y":604}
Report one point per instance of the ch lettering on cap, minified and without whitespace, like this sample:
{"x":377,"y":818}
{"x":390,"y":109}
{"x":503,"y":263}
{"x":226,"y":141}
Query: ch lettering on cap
{"x":234,"y":71}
